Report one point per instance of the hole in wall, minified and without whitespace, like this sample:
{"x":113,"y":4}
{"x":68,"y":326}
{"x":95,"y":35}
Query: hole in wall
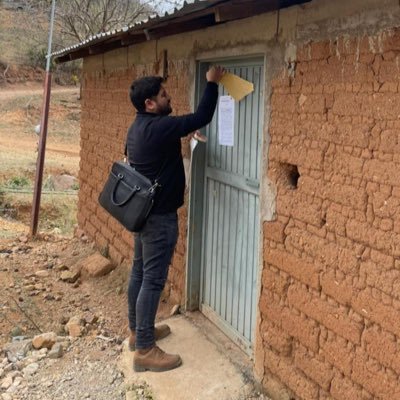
{"x":289,"y":175}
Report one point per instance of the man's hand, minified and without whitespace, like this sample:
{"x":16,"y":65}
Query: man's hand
{"x":215,"y":73}
{"x":198,"y":136}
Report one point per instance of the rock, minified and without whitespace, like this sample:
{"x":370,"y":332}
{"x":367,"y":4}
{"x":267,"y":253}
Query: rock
{"x":8,"y":367}
{"x":60,"y":329}
{"x":43,"y":273}
{"x":63,"y":319}
{"x":44,"y":350}
{"x":79,"y":232}
{"x":70,"y":276}
{"x":30,"y":369}
{"x":77,"y":284}
{"x":19,"y":338}
{"x":62,"y":182}
{"x":50,"y":265}
{"x":74,"y":326}
{"x":17,"y":350}
{"x":15,"y":374}
{"x":39,"y":286}
{"x":56,"y":351}
{"x":61,"y":267}
{"x":84,"y":239}
{"x":96,"y":265}
{"x":44,"y":340}
{"x":16,"y":331}
{"x":6,"y":396}
{"x":6,"y":382}
{"x":14,"y":387}
{"x":90,"y":318}
{"x":175,"y":310}
{"x":23,"y":239}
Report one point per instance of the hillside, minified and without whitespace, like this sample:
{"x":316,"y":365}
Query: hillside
{"x":23,"y":47}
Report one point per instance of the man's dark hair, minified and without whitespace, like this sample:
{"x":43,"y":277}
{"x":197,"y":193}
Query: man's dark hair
{"x":144,"y":88}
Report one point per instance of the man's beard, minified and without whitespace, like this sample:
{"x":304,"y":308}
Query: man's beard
{"x":166,"y":110}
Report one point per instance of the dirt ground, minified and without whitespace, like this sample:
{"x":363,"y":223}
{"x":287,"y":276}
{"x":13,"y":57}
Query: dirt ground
{"x":32,"y":303}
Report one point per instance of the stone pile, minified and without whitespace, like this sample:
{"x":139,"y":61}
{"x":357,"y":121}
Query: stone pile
{"x":23,"y":357}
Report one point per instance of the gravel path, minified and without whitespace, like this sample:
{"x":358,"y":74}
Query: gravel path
{"x":87,"y":370}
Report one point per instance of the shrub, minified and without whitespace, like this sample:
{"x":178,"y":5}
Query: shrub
{"x":17,"y":182}
{"x":37,"y":57}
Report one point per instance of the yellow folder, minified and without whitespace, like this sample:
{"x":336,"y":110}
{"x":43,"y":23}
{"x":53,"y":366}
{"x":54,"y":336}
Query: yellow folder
{"x":236,"y":86}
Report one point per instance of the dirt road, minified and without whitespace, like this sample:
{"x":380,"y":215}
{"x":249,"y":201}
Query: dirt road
{"x":11,"y":91}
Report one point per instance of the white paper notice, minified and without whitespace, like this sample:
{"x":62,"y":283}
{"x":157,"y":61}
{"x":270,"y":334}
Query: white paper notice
{"x":193,"y":145}
{"x":226,"y":120}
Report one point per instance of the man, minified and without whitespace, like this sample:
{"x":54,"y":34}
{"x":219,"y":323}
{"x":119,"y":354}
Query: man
{"x":154,"y":149}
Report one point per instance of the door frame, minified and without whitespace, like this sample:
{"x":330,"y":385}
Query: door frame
{"x":196,"y":209}
{"x":196,"y":196}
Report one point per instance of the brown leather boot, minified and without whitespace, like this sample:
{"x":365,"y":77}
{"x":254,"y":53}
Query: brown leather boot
{"x":160,"y":332}
{"x":154,"y":359}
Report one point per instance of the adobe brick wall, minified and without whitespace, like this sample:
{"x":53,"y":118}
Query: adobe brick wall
{"x":330,"y":297}
{"x":106,"y":115}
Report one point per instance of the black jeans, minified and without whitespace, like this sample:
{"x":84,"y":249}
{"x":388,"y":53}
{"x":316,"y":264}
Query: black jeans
{"x":154,"y":247}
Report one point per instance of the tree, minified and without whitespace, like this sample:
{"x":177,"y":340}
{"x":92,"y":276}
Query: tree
{"x":79,"y":19}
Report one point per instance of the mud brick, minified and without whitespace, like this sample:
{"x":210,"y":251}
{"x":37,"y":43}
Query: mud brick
{"x":332,"y":316}
{"x":343,"y":388}
{"x":276,"y":338}
{"x":382,"y":346}
{"x":338,"y":352}
{"x":275,"y":282}
{"x":274,"y":231}
{"x":341,"y":291}
{"x":373,"y":309}
{"x":298,"y":268}
{"x":315,"y":368}
{"x":380,"y":382}
{"x":288,"y":373}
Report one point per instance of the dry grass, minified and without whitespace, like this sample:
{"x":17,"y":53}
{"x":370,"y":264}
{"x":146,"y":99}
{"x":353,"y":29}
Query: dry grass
{"x":17,"y":36}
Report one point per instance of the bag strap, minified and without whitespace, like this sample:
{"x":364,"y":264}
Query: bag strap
{"x":161,"y":170}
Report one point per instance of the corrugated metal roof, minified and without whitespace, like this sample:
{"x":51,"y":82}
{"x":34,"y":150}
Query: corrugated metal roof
{"x":192,"y":15}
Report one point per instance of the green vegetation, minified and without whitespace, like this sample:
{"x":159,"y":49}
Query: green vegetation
{"x":18,"y":182}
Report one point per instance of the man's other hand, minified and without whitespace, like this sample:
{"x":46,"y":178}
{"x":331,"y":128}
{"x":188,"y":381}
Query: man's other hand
{"x":215,"y":73}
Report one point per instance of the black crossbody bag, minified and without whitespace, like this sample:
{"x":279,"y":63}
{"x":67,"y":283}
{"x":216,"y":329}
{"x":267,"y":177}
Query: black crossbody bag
{"x":128,"y":195}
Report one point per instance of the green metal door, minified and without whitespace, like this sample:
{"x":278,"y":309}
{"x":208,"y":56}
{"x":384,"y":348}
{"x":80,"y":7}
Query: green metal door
{"x":230,"y":223}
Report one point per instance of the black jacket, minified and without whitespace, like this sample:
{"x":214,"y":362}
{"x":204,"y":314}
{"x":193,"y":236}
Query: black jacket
{"x":156,"y":139}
